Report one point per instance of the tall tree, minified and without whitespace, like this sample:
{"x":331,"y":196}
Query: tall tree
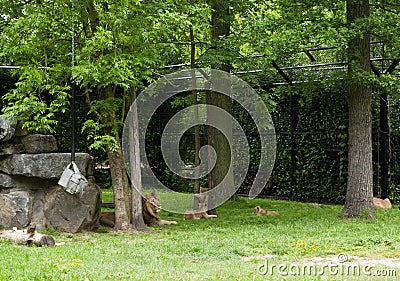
{"x":360,"y":172}
{"x":220,"y":31}
{"x":288,"y":27}
{"x":115,"y":48}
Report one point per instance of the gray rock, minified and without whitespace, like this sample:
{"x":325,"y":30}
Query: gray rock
{"x":7,"y":127}
{"x":16,"y":209}
{"x":72,"y":213}
{"x":46,"y":165}
{"x":51,"y":208}
{"x":11,"y":148}
{"x":39,"y":143}
{"x":24,"y":183}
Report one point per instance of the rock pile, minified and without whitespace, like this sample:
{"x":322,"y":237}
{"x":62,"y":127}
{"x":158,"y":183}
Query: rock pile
{"x":30,"y":168}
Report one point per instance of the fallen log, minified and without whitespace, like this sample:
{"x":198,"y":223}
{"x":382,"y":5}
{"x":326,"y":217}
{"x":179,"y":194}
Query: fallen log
{"x":27,"y":237}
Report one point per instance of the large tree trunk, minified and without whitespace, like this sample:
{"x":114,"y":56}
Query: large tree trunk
{"x":360,"y":173}
{"x":121,"y":190}
{"x":119,"y":178}
{"x":137,"y":219}
{"x":128,"y":208}
{"x":220,"y":24}
{"x":196,"y":188}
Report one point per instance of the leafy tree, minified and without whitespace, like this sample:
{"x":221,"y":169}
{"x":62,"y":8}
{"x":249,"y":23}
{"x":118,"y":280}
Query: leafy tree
{"x":282,"y":29}
{"x":116,"y":46}
{"x":360,"y":178}
{"x":220,"y":31}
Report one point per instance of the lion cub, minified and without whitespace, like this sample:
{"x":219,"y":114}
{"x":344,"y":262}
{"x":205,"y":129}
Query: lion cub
{"x":261,"y":212}
{"x":201,"y":211}
{"x":381,"y":204}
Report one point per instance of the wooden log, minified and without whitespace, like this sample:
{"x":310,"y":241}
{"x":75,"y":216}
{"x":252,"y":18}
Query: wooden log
{"x":27,"y":237}
{"x":7,"y":127}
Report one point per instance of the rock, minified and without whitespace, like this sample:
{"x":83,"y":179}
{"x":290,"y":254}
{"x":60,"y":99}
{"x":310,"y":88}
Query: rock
{"x":16,"y":208}
{"x":19,"y":131}
{"x":51,"y":208}
{"x":39,"y":143}
{"x":11,"y":148}
{"x":29,"y":194}
{"x":7,"y":127}
{"x":72,"y":213}
{"x":46,"y":165}
{"x":21,"y":182}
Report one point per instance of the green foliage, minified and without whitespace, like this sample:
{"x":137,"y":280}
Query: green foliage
{"x":38,"y":96}
{"x":120,"y":46}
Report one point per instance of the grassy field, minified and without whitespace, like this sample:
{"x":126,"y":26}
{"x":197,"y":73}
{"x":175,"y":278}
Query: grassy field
{"x":236,"y":246}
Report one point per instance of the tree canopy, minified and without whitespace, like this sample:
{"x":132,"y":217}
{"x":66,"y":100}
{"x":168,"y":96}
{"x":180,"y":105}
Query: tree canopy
{"x":110,"y":50}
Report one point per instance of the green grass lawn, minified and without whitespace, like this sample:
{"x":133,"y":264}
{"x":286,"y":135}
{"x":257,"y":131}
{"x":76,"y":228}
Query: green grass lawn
{"x":236,"y":246}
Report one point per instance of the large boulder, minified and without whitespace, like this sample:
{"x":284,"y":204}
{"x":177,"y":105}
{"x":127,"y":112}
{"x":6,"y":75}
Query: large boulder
{"x":72,"y":213}
{"x":16,"y":209}
{"x":51,"y":207}
{"x":46,"y":165}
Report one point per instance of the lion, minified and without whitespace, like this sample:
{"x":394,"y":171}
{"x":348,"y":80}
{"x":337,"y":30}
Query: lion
{"x":261,"y":212}
{"x":201,"y":211}
{"x":151,"y":206}
{"x":381,"y":204}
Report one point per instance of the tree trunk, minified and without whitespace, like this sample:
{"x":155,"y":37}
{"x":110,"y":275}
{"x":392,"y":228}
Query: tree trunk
{"x":137,"y":219}
{"x":360,"y":173}
{"x":128,"y":208}
{"x":121,"y":189}
{"x":196,"y":115}
{"x":220,"y":24}
{"x":119,"y":177}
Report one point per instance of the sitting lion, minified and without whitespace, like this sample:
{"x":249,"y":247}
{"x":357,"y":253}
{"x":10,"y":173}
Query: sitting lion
{"x":381,"y":204}
{"x":261,"y":212}
{"x":151,"y":206}
{"x":201,"y":211}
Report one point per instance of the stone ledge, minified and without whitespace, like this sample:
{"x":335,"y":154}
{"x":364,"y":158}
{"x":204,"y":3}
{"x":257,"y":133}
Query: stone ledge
{"x":24,"y":183}
{"x":38,"y":143}
{"x":46,"y":165}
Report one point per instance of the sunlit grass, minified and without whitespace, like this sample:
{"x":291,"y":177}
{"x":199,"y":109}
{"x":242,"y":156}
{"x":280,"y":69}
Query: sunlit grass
{"x":231,"y":247}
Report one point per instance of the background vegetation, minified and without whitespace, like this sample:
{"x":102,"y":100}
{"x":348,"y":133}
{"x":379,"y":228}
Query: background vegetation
{"x":123,"y":46}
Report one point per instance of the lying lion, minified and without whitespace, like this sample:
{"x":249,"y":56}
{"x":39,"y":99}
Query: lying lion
{"x":151,"y":206}
{"x":261,"y":212}
{"x":381,"y":204}
{"x":201,"y":211}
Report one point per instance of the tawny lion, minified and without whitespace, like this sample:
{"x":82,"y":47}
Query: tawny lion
{"x":261,"y":212}
{"x":381,"y":204}
{"x":201,"y":211}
